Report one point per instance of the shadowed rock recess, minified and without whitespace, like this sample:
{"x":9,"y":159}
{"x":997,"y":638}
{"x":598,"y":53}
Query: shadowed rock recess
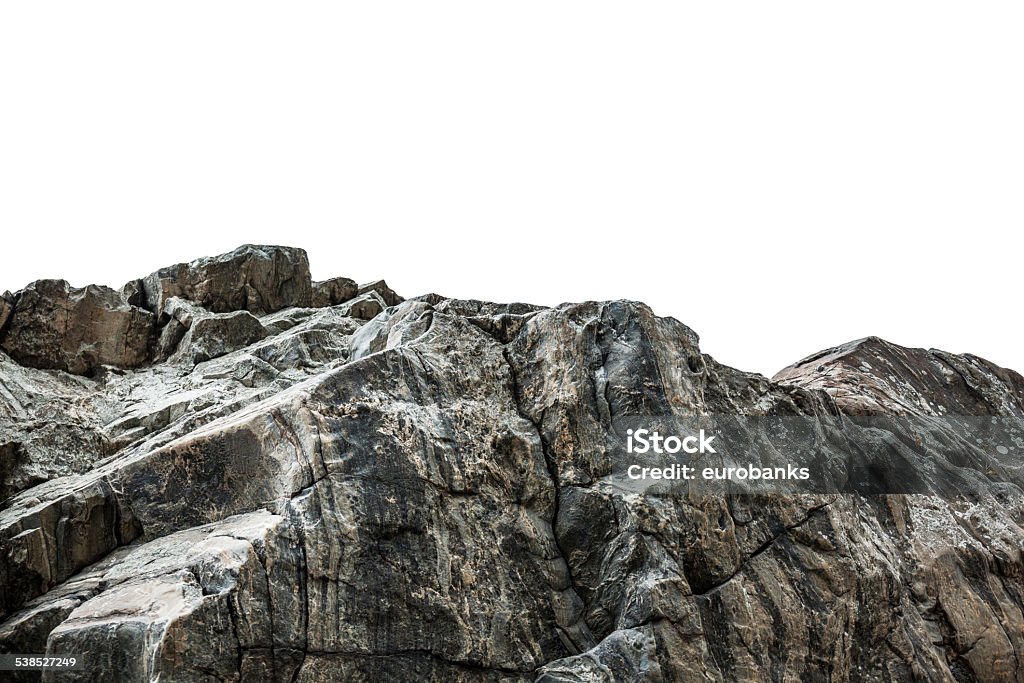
{"x":227,"y":472}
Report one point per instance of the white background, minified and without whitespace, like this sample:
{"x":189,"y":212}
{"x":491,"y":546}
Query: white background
{"x":782,"y":177}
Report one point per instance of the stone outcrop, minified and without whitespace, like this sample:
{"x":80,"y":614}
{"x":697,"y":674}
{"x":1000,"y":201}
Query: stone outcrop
{"x":374,"y":489}
{"x":51,"y":325}
{"x":872,"y":376}
{"x":6,"y":309}
{"x":60,"y":327}
{"x":335,"y":291}
{"x":251,"y":278}
{"x":194,"y":335}
{"x":386,"y":293}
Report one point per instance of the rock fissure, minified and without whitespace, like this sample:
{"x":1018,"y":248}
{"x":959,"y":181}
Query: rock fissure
{"x":438,"y":500}
{"x":763,"y":548}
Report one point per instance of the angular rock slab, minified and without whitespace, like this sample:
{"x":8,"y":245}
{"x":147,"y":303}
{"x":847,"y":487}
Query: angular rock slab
{"x":212,"y":603}
{"x":58,"y":327}
{"x":258,"y":279}
{"x":334,"y":291}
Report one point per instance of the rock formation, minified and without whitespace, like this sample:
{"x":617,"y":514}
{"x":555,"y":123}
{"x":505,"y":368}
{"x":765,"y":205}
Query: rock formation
{"x":227,"y":472}
{"x":251,"y":278}
{"x":55,"y":326}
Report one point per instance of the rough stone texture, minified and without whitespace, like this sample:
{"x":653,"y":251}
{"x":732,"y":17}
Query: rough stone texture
{"x":194,"y":335}
{"x":56,"y":326}
{"x":386,"y":293}
{"x":6,"y":309}
{"x":424,"y":491}
{"x":47,"y":427}
{"x":334,"y":291}
{"x":51,"y":325}
{"x":871,"y":376}
{"x":365,"y":306}
{"x":252,"y":278}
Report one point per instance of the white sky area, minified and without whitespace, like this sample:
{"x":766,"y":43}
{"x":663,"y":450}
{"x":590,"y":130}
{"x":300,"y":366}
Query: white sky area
{"x":781,"y":177}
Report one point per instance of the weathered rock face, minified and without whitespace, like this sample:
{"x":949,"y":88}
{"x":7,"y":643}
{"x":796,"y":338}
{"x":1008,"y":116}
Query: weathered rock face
{"x":251,"y":278}
{"x":386,"y":293}
{"x":51,"y":325}
{"x":872,"y":376}
{"x":196,"y":335}
{"x":47,"y":430}
{"x":6,"y":309}
{"x":335,"y":291}
{"x":56,"y":326}
{"x":377,"y":490}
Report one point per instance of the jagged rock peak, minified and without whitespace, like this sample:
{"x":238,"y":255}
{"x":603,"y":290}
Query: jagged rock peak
{"x":255,"y":278}
{"x":52,"y":325}
{"x":872,"y":375}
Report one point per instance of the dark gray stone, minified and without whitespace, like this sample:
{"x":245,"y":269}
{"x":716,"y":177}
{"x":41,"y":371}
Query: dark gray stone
{"x":6,"y":310}
{"x":255,"y":278}
{"x":425,"y":491}
{"x":334,"y":291}
{"x":216,"y":335}
{"x":386,"y":293}
{"x":59,"y":327}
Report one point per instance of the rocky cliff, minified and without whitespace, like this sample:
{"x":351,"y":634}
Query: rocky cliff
{"x":227,"y":472}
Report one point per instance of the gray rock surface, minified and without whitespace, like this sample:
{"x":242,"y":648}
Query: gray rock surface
{"x":425,"y":491}
{"x":365,"y":306}
{"x":6,"y":309}
{"x":51,"y":325}
{"x":198,"y":335}
{"x":60,"y":327}
{"x":335,"y":291}
{"x":380,"y":287}
{"x":252,"y":278}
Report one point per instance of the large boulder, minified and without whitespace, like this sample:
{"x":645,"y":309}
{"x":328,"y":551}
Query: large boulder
{"x":365,"y":306}
{"x":56,"y":326}
{"x":193,"y":334}
{"x":218,"y":334}
{"x":389,"y":295}
{"x":259,"y":279}
{"x":335,"y":291}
